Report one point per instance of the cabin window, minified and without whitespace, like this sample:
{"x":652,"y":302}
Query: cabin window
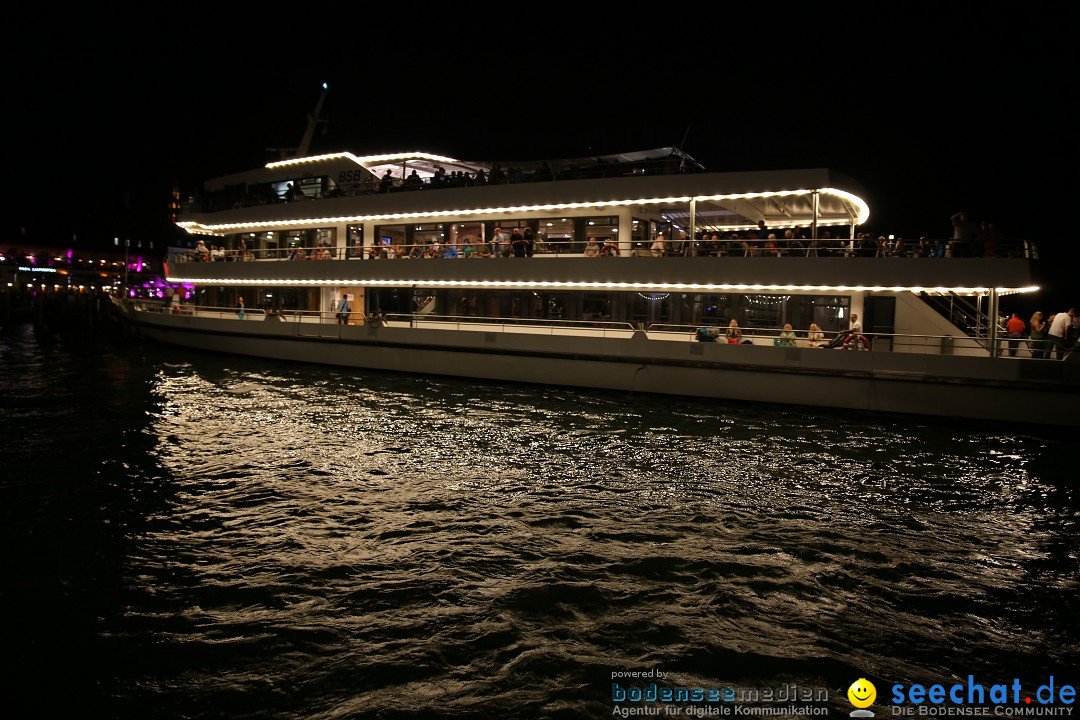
{"x":652,"y":308}
{"x":260,"y":245}
{"x":639,"y":234}
{"x":554,"y":235}
{"x":596,"y":306}
{"x":830,"y":312}
{"x":709,"y":309}
{"x":355,"y":247}
{"x":765,"y":311}
{"x":473,"y":232}
{"x":394,"y":235}
{"x":605,"y":229}
{"x":425,"y":235}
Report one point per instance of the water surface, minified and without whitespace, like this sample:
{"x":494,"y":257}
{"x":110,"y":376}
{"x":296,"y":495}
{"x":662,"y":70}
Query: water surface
{"x":198,"y":536}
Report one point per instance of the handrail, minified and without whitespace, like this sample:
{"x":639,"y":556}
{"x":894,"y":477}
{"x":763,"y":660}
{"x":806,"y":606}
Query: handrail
{"x":472,"y":322}
{"x":328,"y":325}
{"x":773,"y":333}
{"x":743,"y":247}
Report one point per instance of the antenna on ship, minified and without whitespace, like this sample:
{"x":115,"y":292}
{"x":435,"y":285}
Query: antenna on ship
{"x":679,"y":148}
{"x":305,"y":143}
{"x":313,"y":121}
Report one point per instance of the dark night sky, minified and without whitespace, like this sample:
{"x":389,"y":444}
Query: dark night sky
{"x":932,"y":109}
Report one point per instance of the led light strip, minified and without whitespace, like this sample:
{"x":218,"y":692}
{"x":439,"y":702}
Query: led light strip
{"x":214,"y":229}
{"x":582,"y":285}
{"x":864,"y":211}
{"x":361,"y":161}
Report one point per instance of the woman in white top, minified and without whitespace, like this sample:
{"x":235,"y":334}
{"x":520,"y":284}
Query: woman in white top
{"x":815,"y":338}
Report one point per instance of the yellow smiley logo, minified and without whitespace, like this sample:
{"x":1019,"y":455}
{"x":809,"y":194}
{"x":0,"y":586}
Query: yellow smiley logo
{"x":862,"y":693}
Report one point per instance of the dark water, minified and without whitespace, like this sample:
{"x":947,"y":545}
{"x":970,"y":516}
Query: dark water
{"x":192,"y":535}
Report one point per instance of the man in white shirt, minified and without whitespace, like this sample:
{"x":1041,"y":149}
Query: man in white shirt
{"x":1059,"y":330}
{"x":855,"y":329}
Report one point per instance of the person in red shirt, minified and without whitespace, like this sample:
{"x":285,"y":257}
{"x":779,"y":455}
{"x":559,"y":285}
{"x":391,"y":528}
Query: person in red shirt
{"x":1015,"y":330}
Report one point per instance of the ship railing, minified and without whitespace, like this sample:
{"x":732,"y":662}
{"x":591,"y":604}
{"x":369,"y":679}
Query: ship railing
{"x":882,"y":342}
{"x":534,"y":326}
{"x":326,"y":324}
{"x":544,"y":247}
{"x":167,"y":307}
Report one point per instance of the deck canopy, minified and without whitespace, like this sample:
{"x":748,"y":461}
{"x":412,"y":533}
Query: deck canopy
{"x":645,"y":162}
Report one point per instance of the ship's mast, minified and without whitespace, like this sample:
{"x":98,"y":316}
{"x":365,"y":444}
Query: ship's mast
{"x":313,"y":121}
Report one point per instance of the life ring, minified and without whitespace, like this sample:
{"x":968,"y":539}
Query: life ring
{"x":855,"y":341}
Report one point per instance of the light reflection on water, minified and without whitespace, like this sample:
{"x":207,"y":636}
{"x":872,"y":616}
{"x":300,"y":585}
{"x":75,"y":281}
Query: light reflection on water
{"x":287,"y":541}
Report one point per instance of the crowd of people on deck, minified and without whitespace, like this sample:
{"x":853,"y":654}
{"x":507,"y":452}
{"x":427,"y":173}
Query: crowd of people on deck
{"x":518,"y":242}
{"x":1044,"y":337}
{"x":969,"y":239}
{"x":389,"y":183}
{"x":218,"y":253}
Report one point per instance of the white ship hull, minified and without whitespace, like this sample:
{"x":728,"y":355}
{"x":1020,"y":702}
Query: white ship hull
{"x":998,"y":389}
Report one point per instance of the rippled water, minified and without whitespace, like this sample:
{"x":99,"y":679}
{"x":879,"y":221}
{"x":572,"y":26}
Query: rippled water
{"x":194,"y":535}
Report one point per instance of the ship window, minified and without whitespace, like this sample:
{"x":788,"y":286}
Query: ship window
{"x":639,"y":234}
{"x":425,"y":235}
{"x":652,"y":308}
{"x":356,"y":241}
{"x":604,"y":229}
{"x":830,"y":312}
{"x":324,"y":237}
{"x":554,"y":235}
{"x":392,"y":235}
{"x":472,"y":231}
{"x":709,"y":309}
{"x":596,"y":306}
{"x":765,"y":311}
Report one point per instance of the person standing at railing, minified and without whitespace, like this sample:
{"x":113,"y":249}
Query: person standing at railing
{"x":1037,"y":335}
{"x":240,"y":309}
{"x":1014,"y":329}
{"x":1059,"y":330}
{"x":530,"y":241}
{"x":517,"y":243}
{"x":343,"y":310}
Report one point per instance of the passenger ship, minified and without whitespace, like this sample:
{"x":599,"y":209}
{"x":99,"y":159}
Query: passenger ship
{"x":434,"y":286}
